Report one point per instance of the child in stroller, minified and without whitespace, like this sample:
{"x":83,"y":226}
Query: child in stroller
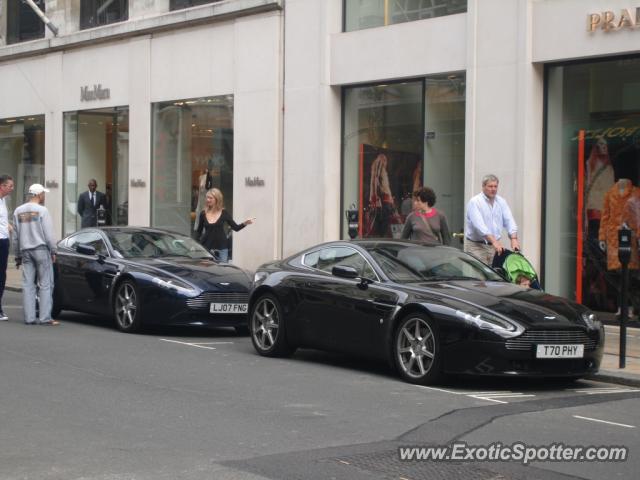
{"x":516,"y":269}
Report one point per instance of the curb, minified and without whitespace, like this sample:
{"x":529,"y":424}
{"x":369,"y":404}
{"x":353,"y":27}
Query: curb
{"x":622,"y":378}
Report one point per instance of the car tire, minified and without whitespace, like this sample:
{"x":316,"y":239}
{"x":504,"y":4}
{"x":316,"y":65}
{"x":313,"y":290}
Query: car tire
{"x":416,"y":349}
{"x":242,"y":330}
{"x":126,"y":307}
{"x":267,"y":328}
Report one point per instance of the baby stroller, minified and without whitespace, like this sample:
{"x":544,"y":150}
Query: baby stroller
{"x":515,"y":266}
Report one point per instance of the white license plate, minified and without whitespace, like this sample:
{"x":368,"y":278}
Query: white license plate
{"x":228,"y":308}
{"x":559,"y":351}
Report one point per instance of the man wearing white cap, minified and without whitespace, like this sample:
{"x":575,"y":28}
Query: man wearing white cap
{"x":35,"y":249}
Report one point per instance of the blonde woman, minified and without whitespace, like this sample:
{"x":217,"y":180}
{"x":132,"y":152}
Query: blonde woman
{"x":211,"y":233}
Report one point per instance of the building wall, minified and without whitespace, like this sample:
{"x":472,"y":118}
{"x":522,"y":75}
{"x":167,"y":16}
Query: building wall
{"x":239,"y":57}
{"x":286,"y":70}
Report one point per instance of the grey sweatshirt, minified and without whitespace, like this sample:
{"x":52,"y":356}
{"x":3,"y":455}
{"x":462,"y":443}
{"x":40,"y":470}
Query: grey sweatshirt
{"x":33,"y":228}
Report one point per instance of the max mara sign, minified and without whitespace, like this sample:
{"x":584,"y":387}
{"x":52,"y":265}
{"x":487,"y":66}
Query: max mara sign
{"x":96,"y":93}
{"x":610,"y":21}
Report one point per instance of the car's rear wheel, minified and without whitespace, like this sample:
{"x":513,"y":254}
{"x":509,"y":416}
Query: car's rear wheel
{"x":267,"y":327}
{"x":416,"y":351}
{"x":126,"y":307}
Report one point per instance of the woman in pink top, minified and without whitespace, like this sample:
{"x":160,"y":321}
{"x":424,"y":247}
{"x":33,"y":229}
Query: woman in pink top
{"x":425,"y":223}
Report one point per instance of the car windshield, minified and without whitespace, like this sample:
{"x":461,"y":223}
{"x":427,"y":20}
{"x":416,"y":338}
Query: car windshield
{"x":154,"y":244}
{"x":415,"y":263}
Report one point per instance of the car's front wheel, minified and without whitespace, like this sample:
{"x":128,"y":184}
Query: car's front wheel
{"x":416,"y":351}
{"x":267,"y":327}
{"x":126,"y":307}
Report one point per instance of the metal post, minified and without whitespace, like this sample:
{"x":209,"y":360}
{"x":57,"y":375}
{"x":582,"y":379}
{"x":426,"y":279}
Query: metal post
{"x":42,"y":16}
{"x":624,"y":311}
{"x":624,"y":255}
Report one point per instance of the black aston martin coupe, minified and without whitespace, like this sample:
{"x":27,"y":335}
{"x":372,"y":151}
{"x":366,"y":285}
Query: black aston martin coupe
{"x":145,"y":276}
{"x":428,"y":310}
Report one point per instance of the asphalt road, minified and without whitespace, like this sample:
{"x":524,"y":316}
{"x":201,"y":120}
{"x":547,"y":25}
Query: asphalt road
{"x":83,"y":401}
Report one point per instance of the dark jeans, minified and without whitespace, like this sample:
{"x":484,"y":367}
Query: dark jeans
{"x":4,"y":256}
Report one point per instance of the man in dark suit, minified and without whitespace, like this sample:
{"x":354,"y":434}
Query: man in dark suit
{"x":88,"y":204}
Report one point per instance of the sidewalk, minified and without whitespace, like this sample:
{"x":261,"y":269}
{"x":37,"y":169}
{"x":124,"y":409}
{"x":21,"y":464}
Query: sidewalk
{"x":609,"y":371}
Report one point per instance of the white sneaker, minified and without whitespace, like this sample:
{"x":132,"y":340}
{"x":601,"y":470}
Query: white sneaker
{"x":3,"y":317}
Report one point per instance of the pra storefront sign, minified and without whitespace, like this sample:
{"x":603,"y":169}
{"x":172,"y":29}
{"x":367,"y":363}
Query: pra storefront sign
{"x":609,"y":21}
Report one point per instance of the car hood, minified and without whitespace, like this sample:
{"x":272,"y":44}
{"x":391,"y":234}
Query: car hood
{"x":205,"y":274}
{"x":532,"y":308}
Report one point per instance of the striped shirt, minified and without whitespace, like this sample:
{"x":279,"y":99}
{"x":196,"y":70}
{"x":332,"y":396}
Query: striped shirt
{"x":484,"y":218}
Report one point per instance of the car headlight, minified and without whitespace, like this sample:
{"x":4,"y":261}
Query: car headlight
{"x":592,"y":321}
{"x":259,"y":277}
{"x":489,"y":321}
{"x":177,"y":286}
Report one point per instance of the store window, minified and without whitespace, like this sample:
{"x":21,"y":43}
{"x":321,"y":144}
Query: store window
{"x":94,"y":13}
{"x":22,"y":155}
{"x":192,"y":153}
{"x":592,"y":178}
{"x":360,"y":14}
{"x":22,"y":22}
{"x":399,"y":137}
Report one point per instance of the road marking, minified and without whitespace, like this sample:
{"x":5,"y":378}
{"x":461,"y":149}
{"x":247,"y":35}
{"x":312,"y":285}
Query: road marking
{"x":213,"y":343}
{"x":187,"y":343}
{"x":489,"y":396}
{"x":605,"y":390}
{"x":496,"y":397}
{"x":604,"y":421}
{"x":439,"y":389}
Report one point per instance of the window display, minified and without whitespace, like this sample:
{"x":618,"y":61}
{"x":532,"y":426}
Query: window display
{"x":22,"y":155}
{"x":397,"y":138}
{"x":192,"y":153}
{"x":592,"y":179}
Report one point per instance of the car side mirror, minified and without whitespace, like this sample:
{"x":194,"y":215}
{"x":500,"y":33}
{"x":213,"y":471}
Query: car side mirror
{"x":343,"y":271}
{"x":85,"y":249}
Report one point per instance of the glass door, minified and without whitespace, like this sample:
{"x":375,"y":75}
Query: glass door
{"x":96,"y":147}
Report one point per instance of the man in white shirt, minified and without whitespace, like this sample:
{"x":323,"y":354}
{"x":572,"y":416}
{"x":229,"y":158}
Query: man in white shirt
{"x":6,"y":187}
{"x":487,"y":215}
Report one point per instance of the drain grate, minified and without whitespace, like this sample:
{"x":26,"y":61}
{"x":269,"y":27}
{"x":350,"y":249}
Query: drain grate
{"x":388,"y":463}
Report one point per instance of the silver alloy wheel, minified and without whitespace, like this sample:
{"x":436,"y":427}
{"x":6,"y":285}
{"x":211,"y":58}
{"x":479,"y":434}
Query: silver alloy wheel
{"x":265,"y":324}
{"x":126,"y":305}
{"x":415,"y":347}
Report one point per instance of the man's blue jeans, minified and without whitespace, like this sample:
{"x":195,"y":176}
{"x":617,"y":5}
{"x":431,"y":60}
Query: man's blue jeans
{"x":36,"y":263}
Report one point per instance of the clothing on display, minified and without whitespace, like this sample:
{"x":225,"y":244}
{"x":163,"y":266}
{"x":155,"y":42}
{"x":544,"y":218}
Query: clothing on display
{"x":631,"y":216}
{"x":615,"y":200}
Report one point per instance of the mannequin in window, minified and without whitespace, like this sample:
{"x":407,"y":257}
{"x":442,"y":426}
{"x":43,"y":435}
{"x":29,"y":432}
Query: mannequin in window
{"x":600,"y":178}
{"x":614,"y":203}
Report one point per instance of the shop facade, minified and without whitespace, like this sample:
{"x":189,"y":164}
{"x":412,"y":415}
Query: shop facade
{"x":294,"y":109}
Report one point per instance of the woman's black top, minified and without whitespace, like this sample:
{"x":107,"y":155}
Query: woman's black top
{"x":212,"y":235}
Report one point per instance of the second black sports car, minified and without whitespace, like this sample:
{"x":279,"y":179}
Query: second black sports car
{"x":427,"y":309}
{"x":147,"y":276}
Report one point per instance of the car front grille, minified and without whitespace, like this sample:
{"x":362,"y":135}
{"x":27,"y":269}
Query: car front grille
{"x":203,"y":300}
{"x":528,"y":339}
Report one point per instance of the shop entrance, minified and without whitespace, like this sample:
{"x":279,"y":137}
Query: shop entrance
{"x":96,"y":146}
